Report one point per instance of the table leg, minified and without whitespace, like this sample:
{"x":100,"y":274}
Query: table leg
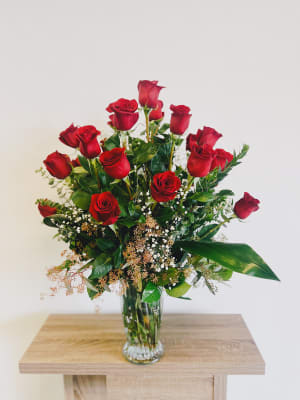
{"x":85,"y":387}
{"x":220,"y":387}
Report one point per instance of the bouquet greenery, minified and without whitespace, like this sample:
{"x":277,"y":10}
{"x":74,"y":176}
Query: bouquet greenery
{"x":132,"y":216}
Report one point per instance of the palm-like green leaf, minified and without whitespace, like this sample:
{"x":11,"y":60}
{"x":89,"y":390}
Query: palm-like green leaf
{"x":238,"y":257}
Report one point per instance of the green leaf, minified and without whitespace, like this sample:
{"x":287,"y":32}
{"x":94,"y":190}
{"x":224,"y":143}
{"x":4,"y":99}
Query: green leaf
{"x":84,"y":163}
{"x":151,"y":293}
{"x":225,"y":192}
{"x":225,"y":274}
{"x":89,"y":285}
{"x":167,"y":276}
{"x":91,"y":293}
{"x":51,"y":221}
{"x":101,"y":266}
{"x":203,"y":197}
{"x":129,"y":222}
{"x":207,"y":228}
{"x":112,"y":142}
{"x":118,"y":257}
{"x":164,"y":128}
{"x":237,"y":257}
{"x":179,"y":290}
{"x":143,"y":152}
{"x":104,"y":244}
{"x":81,"y":199}
{"x":160,"y":162}
{"x":80,"y":170}
{"x":163,"y":214}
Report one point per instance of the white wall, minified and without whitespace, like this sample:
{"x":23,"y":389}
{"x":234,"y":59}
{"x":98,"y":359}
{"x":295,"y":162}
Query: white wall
{"x":236,"y":63}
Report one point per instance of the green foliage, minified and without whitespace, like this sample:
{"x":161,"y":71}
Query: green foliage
{"x":151,"y":293}
{"x":84,"y":162}
{"x":81,"y":199}
{"x":142,"y":151}
{"x":101,"y":266}
{"x":112,"y":142}
{"x":179,"y":290}
{"x":234,"y":256}
{"x":160,"y":162}
{"x":208,"y":231}
{"x":105,"y":244}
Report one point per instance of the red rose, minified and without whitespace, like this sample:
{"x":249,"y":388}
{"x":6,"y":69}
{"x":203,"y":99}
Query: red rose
{"x":115,"y":163}
{"x":245,"y":206}
{"x":221,"y":159}
{"x":157,"y":113}
{"x":112,"y":121}
{"x":200,"y":160}
{"x":89,"y":145}
{"x":180,"y":119}
{"x":148,"y":93}
{"x":75,"y":162}
{"x":124,"y":116}
{"x":58,"y":165}
{"x":69,"y":136}
{"x":46,"y":211}
{"x":164,"y":186}
{"x":104,"y":207}
{"x":203,"y":136}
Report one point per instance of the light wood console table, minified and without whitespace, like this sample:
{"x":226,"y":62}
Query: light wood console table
{"x":200,"y":351}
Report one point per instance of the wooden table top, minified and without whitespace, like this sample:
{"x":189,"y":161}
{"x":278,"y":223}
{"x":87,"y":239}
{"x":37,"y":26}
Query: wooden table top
{"x":91,"y":344}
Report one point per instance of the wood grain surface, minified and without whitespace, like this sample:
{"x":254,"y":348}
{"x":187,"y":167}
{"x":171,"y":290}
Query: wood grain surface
{"x":91,"y":344}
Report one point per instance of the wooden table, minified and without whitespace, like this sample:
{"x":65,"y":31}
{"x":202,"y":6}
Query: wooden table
{"x":200,"y":351}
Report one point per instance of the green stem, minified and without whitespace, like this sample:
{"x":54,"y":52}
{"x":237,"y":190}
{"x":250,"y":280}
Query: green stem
{"x":172,"y":151}
{"x":127,"y":182}
{"x":154,"y":133}
{"x":146,"y":112}
{"x":218,"y":226}
{"x":93,"y":167}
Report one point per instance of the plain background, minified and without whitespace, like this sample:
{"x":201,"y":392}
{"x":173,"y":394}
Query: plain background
{"x":236,"y":64}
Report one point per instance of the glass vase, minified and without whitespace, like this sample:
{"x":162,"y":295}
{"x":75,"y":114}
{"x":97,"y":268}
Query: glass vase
{"x":142,"y":326}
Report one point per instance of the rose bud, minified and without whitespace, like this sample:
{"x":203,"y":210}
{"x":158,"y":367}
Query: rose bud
{"x":115,"y":163}
{"x":203,"y":136}
{"x":89,"y":145}
{"x":124,"y":116}
{"x":69,"y":136}
{"x":200,"y":160}
{"x":164,"y":186}
{"x":148,"y":93}
{"x":221,"y":159}
{"x":104,"y":207}
{"x":157,"y":113}
{"x":180,"y":119}
{"x":58,"y":165}
{"x":46,"y":211}
{"x":245,"y":206}
{"x":75,"y":162}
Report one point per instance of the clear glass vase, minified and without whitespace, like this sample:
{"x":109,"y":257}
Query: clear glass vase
{"x":142,"y":326}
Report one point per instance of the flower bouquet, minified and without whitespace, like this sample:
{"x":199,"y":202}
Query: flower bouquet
{"x":139,"y":223}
